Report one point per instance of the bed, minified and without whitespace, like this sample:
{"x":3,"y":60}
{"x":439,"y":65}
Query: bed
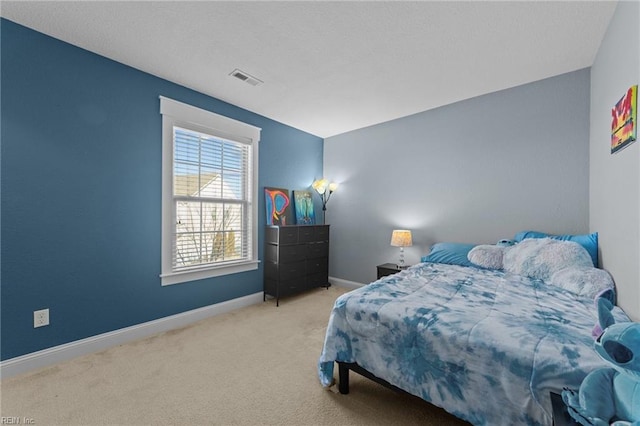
{"x":486,"y":344}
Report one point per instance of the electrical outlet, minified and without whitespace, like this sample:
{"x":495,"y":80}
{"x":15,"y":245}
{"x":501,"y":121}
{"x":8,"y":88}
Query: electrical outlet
{"x":40,"y":318}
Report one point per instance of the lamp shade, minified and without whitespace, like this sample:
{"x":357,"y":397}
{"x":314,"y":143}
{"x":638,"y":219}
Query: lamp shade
{"x":401,"y":238}
{"x":320,"y":185}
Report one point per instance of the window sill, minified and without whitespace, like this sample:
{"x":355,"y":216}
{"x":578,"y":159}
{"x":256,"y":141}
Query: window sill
{"x":200,"y":274}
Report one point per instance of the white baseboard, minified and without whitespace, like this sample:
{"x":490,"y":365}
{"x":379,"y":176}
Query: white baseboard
{"x":345,"y":283}
{"x":56,"y":354}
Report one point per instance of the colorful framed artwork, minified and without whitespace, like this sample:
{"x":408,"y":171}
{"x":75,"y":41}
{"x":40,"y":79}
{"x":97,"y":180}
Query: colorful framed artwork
{"x":277,"y":205}
{"x":624,"y":120}
{"x":304,"y":208}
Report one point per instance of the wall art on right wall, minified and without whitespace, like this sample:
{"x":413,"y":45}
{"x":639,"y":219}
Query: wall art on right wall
{"x":624,"y":120}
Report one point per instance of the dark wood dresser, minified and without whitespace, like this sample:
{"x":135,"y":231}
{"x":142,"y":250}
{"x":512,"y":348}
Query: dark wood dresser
{"x":296,"y":259}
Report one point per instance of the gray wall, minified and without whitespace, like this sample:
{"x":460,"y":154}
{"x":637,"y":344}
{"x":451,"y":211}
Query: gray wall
{"x":474,"y":171}
{"x":615,"y":178}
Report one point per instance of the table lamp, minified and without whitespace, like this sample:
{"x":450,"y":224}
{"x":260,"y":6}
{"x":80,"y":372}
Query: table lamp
{"x":401,"y":238}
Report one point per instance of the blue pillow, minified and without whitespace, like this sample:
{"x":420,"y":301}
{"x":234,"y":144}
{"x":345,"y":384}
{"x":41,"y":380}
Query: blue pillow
{"x":589,"y":241}
{"x":450,"y":253}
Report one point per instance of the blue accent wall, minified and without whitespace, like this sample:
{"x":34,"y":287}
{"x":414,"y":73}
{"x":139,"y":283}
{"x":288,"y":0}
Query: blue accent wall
{"x":81,"y":192}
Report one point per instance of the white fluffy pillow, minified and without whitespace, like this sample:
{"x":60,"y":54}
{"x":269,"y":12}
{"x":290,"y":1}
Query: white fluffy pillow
{"x":542,"y":257}
{"x":487,"y":256}
{"x":586,"y":282}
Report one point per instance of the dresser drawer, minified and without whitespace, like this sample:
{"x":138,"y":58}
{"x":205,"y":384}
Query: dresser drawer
{"x":288,"y":235}
{"x":320,"y":264}
{"x":271,"y":286}
{"x":284,"y":271}
{"x":292,"y":253}
{"x":289,"y":271}
{"x":322,"y":233}
{"x":286,"y":288}
{"x":317,"y":250}
{"x":306,"y":234}
{"x":318,"y":280}
{"x":281,"y":235}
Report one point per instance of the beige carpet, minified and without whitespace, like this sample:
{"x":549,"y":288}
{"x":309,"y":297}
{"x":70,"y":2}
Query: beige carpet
{"x":253,"y":366}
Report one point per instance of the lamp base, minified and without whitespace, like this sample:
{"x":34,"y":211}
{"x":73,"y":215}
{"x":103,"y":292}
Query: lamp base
{"x":401,"y":260}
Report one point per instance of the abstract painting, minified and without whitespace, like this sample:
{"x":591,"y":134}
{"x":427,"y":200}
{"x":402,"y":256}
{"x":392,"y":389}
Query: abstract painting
{"x":277,"y":203}
{"x":304,"y":208}
{"x":624,"y":120}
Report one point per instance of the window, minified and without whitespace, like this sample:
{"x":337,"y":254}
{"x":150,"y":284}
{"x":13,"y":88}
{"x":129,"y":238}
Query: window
{"x":209,"y":194}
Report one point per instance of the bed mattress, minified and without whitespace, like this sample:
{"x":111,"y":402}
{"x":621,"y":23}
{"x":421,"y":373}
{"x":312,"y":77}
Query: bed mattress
{"x":486,"y":345}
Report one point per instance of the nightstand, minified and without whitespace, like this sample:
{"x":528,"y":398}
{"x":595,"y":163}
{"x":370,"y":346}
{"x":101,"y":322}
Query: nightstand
{"x":388,"y":269}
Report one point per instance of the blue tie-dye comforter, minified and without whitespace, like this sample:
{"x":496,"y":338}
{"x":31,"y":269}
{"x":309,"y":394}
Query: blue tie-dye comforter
{"x":487,"y":346}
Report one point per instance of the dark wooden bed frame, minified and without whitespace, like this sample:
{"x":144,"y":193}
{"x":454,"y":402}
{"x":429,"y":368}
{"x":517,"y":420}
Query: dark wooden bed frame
{"x":343,"y":376}
{"x":560,"y":416}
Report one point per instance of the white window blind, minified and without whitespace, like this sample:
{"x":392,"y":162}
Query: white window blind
{"x":211,"y":196}
{"x":209,"y":179}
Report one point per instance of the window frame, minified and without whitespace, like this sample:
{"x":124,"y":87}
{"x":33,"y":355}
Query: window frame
{"x":178,"y":114}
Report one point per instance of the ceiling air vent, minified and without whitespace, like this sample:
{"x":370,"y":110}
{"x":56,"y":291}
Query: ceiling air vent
{"x":241,"y":75}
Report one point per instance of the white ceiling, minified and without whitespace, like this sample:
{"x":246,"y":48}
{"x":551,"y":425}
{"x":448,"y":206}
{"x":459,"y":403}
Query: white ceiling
{"x":332,"y":67}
